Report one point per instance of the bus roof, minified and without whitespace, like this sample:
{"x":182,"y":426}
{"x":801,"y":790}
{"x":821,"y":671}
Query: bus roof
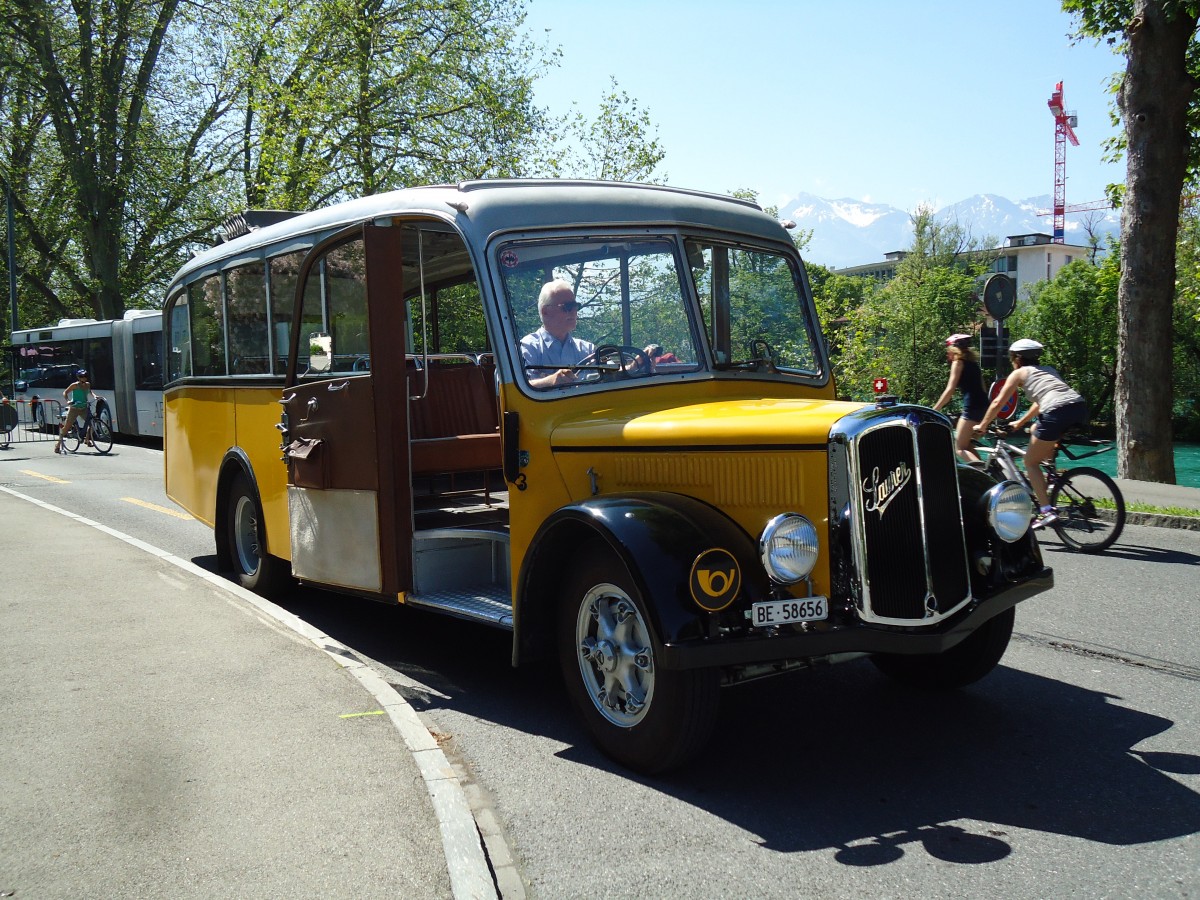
{"x":481,"y":209}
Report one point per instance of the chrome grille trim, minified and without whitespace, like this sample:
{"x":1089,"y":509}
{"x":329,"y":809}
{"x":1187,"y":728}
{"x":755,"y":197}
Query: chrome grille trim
{"x":912,"y":569}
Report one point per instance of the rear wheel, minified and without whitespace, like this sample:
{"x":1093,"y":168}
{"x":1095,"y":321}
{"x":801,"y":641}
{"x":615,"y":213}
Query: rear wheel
{"x":253,"y":568}
{"x":102,"y":438}
{"x":643,"y":716}
{"x":1091,"y":510}
{"x":963,"y":664}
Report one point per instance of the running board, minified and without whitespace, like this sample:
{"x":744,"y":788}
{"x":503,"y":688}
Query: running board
{"x":487,"y":605}
{"x":463,"y":572}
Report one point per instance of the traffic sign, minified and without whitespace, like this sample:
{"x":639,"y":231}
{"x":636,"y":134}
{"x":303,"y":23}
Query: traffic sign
{"x":1010,"y":405}
{"x":999,"y":296}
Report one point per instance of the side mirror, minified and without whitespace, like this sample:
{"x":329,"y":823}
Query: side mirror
{"x":320,"y":352}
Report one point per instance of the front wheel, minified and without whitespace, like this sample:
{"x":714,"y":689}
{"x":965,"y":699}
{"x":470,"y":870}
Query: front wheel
{"x":641,"y":715}
{"x":963,"y":664}
{"x":102,"y":438}
{"x":253,"y":568}
{"x":1091,"y":510}
{"x":70,"y":441}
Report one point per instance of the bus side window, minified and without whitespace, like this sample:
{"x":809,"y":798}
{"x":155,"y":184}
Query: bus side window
{"x":346,"y":290}
{"x":246,"y":299}
{"x":284,"y":270}
{"x":179,"y":353}
{"x":208,"y":326}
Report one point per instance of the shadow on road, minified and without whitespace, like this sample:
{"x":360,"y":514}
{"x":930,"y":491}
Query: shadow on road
{"x":839,"y":758}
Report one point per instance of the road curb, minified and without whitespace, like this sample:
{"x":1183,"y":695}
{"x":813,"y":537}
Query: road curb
{"x":466,"y":861}
{"x":1186,"y":523}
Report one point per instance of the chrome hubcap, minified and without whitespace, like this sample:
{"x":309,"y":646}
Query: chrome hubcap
{"x":615,"y":655}
{"x":245,"y":535}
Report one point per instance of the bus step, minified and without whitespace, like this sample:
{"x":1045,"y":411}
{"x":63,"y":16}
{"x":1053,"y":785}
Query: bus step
{"x":488,"y":604}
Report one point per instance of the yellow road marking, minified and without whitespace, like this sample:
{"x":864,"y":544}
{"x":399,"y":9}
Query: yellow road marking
{"x":157,"y":508}
{"x":374,"y":712}
{"x":43,"y":477}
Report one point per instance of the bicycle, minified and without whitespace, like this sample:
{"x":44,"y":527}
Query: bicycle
{"x":1091,"y":509}
{"x":95,"y":432}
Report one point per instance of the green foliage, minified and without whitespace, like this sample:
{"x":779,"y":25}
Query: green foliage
{"x":132,"y":130}
{"x":897,"y":331}
{"x":1075,"y":317}
{"x":1107,"y":21}
{"x":1186,"y":329}
{"x":104,"y":150}
{"x":350,"y":97}
{"x":619,"y":144}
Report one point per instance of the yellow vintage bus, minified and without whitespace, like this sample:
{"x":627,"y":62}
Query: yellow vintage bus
{"x":599,"y":416}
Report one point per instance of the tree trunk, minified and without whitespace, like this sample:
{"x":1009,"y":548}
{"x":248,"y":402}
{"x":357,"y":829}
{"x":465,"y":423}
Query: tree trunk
{"x":1153,"y":102}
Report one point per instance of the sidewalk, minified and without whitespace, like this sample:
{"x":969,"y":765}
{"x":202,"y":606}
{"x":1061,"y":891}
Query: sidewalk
{"x":167,"y":737}
{"x":1163,"y":495}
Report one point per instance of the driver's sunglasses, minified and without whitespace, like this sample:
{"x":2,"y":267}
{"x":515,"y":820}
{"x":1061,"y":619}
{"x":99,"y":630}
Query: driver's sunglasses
{"x":569,"y":307}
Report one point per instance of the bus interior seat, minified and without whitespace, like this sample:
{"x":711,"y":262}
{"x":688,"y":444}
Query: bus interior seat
{"x":456,"y":426}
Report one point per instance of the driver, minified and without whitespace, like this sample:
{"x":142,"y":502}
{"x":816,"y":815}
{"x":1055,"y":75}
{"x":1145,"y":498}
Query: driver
{"x":551,"y":348}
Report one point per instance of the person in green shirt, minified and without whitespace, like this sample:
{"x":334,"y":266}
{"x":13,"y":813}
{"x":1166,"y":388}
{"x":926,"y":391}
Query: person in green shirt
{"x":77,"y":396}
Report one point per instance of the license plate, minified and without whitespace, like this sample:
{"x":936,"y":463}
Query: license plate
{"x":785,"y":612}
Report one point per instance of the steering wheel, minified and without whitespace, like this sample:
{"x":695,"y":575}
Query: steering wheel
{"x":630,"y":361}
{"x":761,"y":353}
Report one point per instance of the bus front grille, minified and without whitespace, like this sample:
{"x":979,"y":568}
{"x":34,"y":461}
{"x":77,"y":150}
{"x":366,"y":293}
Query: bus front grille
{"x":910,"y":551}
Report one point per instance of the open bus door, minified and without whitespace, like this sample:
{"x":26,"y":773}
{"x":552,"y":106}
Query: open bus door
{"x":345,"y":420}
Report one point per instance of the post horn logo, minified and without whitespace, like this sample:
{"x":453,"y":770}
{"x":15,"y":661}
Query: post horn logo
{"x":715,"y":579}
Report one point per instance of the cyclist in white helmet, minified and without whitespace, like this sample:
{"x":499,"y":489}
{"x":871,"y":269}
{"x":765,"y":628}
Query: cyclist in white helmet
{"x":1055,"y":404}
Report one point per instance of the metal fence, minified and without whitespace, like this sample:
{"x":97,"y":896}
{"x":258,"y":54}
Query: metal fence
{"x":29,"y":421}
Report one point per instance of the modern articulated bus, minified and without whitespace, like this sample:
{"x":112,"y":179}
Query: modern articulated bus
{"x":124,"y":362}
{"x":598,"y":416}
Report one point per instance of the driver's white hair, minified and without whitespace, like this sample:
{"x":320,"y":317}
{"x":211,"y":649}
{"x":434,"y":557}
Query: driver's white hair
{"x":549,"y":289}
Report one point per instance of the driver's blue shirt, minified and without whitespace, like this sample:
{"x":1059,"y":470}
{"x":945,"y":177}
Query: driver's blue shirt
{"x":544,"y":350}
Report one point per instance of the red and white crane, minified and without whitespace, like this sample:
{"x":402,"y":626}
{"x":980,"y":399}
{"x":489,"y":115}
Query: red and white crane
{"x":1064,"y":130}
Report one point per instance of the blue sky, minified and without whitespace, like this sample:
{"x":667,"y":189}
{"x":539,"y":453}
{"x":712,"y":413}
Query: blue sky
{"x":896,"y":103}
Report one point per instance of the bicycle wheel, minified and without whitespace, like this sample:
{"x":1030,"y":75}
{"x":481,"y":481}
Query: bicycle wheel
{"x":102,"y":438}
{"x":1091,"y":510}
{"x":70,"y":441}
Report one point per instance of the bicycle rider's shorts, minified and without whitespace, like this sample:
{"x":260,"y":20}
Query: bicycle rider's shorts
{"x":1051,"y":425}
{"x":975,"y":412}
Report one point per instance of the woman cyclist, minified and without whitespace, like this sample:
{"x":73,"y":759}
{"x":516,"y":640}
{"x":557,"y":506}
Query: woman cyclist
{"x":77,"y":395}
{"x":1053,"y":401}
{"x":964,"y":375}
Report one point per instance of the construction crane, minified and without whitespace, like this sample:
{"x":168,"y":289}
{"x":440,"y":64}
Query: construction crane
{"x":1064,"y":130}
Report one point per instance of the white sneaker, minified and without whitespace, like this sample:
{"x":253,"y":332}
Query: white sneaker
{"x":1042,"y":519}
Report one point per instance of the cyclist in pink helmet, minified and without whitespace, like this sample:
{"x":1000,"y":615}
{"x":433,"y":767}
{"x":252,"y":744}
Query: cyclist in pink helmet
{"x":967,"y":378}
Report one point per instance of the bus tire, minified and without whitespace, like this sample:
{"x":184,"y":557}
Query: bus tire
{"x":253,"y":568}
{"x":645,"y":717}
{"x":964,"y":663}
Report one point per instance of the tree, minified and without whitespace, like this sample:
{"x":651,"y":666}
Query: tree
{"x":1158,"y":99}
{"x":1074,"y":316}
{"x":898,"y":332}
{"x":836,"y":298}
{"x":122,"y":168}
{"x":619,"y":144}
{"x":1187,"y":329}
{"x":351,"y":97}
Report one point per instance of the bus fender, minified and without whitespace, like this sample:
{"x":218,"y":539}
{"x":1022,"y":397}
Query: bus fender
{"x":659,"y":536}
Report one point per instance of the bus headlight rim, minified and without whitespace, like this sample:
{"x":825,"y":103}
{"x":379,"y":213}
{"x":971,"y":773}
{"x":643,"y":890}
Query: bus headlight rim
{"x":788,"y":548}
{"x":1009,"y":510}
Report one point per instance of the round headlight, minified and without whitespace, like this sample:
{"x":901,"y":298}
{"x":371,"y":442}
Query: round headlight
{"x":1009,"y":510}
{"x":788,"y":548}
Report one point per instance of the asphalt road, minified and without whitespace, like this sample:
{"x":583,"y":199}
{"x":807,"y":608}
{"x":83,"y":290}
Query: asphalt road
{"x":1074,"y":769}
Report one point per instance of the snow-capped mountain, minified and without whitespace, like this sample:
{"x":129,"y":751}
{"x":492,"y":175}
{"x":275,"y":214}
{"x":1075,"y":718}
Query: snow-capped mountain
{"x":850,"y":232}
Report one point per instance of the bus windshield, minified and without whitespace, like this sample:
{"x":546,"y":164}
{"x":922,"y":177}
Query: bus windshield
{"x":605,"y":311}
